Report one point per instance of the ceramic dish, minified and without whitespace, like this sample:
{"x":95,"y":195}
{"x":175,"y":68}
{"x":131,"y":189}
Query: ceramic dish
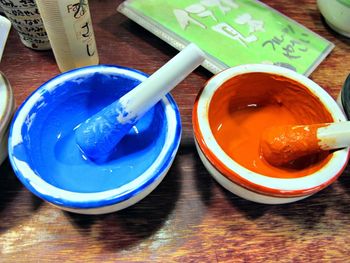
{"x":46,"y":159}
{"x":344,"y":97}
{"x":336,"y":14}
{"x":7,"y":107}
{"x":244,"y":182}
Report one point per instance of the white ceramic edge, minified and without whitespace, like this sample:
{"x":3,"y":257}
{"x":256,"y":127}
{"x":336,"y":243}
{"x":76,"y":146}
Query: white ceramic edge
{"x":338,"y":29}
{"x":325,"y":174}
{"x":4,"y":96}
{"x":47,"y":189}
{"x":241,"y":191}
{"x":7,"y":102}
{"x":121,"y":205}
{"x":4,"y":138}
{"x":5,"y":26}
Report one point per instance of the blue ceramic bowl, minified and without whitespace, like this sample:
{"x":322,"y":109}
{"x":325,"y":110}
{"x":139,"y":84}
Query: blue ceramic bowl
{"x":46,"y":159}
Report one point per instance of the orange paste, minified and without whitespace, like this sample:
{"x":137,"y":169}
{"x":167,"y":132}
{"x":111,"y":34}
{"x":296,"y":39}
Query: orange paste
{"x":282,"y":144}
{"x":244,"y":106}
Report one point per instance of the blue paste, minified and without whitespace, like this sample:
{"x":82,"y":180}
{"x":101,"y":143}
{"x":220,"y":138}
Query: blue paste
{"x":50,"y":141}
{"x":98,"y":136}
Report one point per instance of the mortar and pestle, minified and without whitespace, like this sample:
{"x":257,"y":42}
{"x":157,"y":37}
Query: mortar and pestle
{"x":99,"y":134}
{"x":98,"y":139}
{"x":281,"y":145}
{"x":239,"y":105}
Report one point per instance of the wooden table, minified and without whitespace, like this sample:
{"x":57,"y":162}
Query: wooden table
{"x":189,"y":217}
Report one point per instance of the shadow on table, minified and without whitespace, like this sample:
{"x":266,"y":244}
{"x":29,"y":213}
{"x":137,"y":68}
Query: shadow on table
{"x":125,"y":228}
{"x":204,"y":181}
{"x":306,"y":213}
{"x":10,"y":187}
{"x":344,"y":196}
{"x":16,"y":203}
{"x":116,"y":23}
{"x":344,"y":179}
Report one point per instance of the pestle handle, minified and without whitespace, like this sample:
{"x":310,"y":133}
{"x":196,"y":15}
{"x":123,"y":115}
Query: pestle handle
{"x":334,"y":135}
{"x":282,"y":144}
{"x":98,"y":135}
{"x":148,"y":93}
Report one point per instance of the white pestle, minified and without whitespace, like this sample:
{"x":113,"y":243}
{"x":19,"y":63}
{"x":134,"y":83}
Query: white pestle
{"x":99,"y":135}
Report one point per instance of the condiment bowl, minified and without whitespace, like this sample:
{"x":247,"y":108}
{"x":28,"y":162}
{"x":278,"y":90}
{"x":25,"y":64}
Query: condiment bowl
{"x":344,"y":97}
{"x":7,"y":107}
{"x":45,"y":157}
{"x":245,"y":182}
{"x":336,"y":14}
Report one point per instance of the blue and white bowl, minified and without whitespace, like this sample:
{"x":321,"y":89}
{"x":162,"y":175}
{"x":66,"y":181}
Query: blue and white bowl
{"x":46,"y":159}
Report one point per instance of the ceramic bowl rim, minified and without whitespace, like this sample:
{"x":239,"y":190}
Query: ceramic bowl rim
{"x":338,"y":21}
{"x":241,"y":175}
{"x":77,"y":200}
{"x":345,"y":96}
{"x":6,"y":102}
{"x":241,"y":191}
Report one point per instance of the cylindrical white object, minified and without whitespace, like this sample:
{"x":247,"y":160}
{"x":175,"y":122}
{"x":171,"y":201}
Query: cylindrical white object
{"x":69,"y":28}
{"x":99,"y":134}
{"x":334,"y":136}
{"x":148,"y":93}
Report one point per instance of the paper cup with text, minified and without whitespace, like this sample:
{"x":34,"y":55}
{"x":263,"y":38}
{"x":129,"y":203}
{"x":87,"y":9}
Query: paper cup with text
{"x":25,"y":18}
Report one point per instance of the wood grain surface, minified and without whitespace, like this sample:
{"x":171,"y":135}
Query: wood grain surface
{"x":189,"y":217}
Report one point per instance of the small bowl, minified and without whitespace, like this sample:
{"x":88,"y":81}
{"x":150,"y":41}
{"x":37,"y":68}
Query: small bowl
{"x":7,"y":108}
{"x":46,"y":159}
{"x":248,"y":184}
{"x":337,"y":15}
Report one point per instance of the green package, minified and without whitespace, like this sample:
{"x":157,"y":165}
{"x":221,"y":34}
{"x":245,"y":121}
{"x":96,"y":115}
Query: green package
{"x":231,"y":32}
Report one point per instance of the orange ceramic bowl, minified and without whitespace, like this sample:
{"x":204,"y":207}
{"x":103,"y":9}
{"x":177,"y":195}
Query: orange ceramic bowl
{"x":249,"y":184}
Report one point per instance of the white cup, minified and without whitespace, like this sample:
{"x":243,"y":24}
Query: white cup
{"x":25,"y":18}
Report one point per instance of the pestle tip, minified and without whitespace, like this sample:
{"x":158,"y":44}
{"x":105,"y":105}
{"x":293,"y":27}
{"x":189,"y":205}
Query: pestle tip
{"x":281,"y":145}
{"x":98,"y":136}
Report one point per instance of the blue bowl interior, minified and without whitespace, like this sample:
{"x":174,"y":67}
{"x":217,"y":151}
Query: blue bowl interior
{"x":48,"y":137}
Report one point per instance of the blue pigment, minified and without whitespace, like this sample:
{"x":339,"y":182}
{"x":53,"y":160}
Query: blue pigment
{"x":99,"y":135}
{"x":51,"y":142}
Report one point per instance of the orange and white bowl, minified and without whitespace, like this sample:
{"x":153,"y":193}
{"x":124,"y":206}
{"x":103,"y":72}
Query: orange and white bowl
{"x":249,"y":184}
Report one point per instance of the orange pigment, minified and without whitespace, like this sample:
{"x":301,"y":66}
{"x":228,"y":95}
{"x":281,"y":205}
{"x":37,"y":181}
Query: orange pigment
{"x":244,"y":106}
{"x":283,"y":144}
